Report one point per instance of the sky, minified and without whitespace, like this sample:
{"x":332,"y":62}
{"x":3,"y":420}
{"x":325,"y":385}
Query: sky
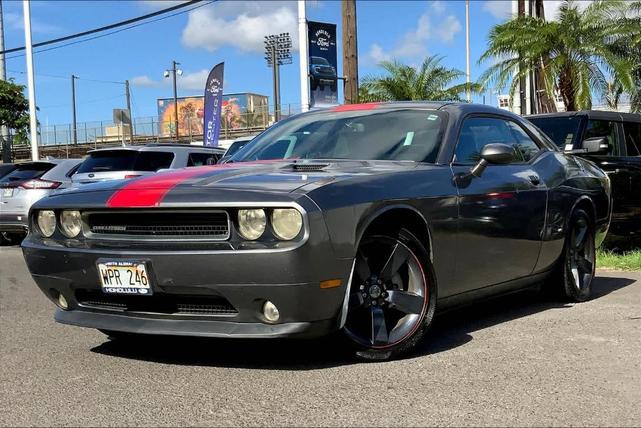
{"x":229,"y":31}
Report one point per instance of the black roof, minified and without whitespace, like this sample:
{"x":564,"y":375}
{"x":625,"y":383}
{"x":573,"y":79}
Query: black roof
{"x":593,"y":114}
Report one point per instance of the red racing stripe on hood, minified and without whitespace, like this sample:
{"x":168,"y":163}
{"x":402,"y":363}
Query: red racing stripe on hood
{"x":148,"y":192}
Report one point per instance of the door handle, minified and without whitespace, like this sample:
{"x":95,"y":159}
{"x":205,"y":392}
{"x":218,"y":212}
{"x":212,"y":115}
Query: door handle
{"x":534,"y":179}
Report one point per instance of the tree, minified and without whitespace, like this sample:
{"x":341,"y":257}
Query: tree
{"x":14,"y":109}
{"x":430,"y":81}
{"x":574,"y":54}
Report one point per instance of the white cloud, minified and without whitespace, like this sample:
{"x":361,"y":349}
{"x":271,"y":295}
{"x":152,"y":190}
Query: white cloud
{"x":16,"y":21}
{"x":438,"y":6}
{"x":447,"y":29}
{"x":190,"y":81}
{"x":413,"y":44}
{"x":501,"y":9}
{"x":240,"y":24}
{"x":143,"y":81}
{"x":195,"y":81}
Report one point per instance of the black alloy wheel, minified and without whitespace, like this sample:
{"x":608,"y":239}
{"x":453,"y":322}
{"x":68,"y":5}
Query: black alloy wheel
{"x":392,"y":296}
{"x":580,"y":258}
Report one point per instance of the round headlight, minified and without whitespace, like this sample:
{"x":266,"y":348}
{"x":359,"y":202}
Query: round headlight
{"x":47,"y":222}
{"x":287,"y":223}
{"x":70,"y":223}
{"x":251,"y":223}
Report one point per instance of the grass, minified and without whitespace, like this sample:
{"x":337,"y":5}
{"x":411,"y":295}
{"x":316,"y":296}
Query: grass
{"x":626,"y":260}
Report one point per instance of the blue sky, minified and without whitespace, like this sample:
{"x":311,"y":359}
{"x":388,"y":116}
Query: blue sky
{"x":230,"y":31}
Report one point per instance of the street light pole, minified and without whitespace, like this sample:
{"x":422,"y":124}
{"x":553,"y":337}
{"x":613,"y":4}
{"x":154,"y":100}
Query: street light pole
{"x":467,"y":49}
{"x":304,"y":56}
{"x":277,"y":52}
{"x":73,"y":108}
{"x":174,"y":69}
{"x":31,"y":87}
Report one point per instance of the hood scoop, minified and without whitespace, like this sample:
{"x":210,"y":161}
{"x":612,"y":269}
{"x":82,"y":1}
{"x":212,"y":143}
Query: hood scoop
{"x":308,"y":167}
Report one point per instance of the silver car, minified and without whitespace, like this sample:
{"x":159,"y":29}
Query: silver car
{"x":129,"y":162}
{"x":25,"y":184}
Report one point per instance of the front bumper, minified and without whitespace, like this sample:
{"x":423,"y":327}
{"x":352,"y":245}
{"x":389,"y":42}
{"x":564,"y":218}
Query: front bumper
{"x":290,"y":279}
{"x":14,"y":223}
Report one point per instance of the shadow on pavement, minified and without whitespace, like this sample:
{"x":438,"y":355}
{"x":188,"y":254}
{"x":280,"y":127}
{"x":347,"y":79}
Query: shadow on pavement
{"x":449,"y":330}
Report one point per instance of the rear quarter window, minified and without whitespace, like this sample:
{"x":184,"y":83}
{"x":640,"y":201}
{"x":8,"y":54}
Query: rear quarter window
{"x":27,"y":172}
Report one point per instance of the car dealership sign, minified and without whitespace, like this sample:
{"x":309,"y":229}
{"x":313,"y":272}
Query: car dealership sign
{"x":322,"y":64}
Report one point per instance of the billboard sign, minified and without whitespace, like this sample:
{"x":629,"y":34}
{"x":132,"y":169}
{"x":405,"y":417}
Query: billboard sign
{"x":322,"y":64}
{"x":213,"y":105}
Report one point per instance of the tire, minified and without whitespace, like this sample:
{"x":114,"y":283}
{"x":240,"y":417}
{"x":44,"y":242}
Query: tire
{"x":577,"y":265}
{"x":392,"y":297}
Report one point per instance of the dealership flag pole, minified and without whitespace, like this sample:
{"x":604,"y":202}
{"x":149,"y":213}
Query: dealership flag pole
{"x":304,"y":56}
{"x":30,"y":83}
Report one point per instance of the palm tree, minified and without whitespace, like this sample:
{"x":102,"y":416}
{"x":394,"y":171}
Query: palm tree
{"x":430,"y":81}
{"x":574,"y":54}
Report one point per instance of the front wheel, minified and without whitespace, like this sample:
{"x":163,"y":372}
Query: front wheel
{"x":579,"y":260}
{"x":392,"y":297}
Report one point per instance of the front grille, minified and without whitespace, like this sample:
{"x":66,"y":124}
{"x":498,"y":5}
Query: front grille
{"x":158,"y":303}
{"x":210,"y":225}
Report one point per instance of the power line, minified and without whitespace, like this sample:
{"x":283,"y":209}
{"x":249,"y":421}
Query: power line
{"x":67,"y":77}
{"x":106,"y":27}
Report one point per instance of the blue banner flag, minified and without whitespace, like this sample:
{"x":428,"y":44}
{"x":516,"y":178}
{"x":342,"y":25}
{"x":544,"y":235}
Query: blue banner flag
{"x":213,"y":104}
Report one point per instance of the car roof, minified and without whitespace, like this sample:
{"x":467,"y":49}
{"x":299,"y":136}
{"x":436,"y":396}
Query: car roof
{"x":159,"y":147}
{"x":592,"y":114}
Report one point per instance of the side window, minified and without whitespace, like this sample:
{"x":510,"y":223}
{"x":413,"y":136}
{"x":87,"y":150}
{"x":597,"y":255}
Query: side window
{"x":524,"y":147}
{"x":603,"y":128}
{"x":477,"y":132}
{"x":153,"y":161}
{"x":200,"y":159}
{"x":632,"y":133}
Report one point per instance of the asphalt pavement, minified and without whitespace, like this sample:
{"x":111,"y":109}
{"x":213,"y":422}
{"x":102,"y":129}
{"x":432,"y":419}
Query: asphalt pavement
{"x":518,"y":360}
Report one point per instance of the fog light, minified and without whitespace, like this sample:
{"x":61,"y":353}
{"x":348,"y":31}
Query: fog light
{"x":62,"y":302}
{"x":270,"y":311}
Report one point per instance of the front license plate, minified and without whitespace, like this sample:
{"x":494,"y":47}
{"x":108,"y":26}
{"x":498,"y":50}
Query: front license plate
{"x":7,"y":193}
{"x":124,"y":277}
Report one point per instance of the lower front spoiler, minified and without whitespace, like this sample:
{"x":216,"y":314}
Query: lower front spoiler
{"x":200,"y":328}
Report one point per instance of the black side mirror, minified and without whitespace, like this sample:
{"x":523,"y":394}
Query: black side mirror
{"x":495,"y":153}
{"x":595,"y":145}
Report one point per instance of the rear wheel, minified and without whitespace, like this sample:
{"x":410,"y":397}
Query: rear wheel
{"x":392,"y":296}
{"x":579,"y":259}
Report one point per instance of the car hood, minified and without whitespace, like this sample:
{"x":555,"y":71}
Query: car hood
{"x":274,"y":177}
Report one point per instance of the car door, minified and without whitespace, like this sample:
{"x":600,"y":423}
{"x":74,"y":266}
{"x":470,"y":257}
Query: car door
{"x":613,"y":162}
{"x":502,"y":212}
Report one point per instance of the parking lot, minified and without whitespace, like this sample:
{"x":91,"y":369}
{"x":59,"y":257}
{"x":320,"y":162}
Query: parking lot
{"x":518,"y":360}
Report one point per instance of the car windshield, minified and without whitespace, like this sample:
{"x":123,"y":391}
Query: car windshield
{"x":318,"y":60}
{"x":409,"y":134}
{"x":27,"y":171}
{"x":235,"y":146}
{"x":562,"y":130}
{"x":125,"y":160}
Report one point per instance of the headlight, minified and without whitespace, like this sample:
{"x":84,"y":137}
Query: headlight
{"x":70,"y":223}
{"x":251,"y":223}
{"x":287,"y":223}
{"x":47,"y":222}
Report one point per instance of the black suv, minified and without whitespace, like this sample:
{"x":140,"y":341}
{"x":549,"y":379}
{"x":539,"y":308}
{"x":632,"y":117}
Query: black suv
{"x":322,"y":73}
{"x":613,"y":141}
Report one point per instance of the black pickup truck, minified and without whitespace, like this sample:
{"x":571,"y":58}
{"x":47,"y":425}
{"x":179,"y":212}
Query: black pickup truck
{"x":613,"y":141}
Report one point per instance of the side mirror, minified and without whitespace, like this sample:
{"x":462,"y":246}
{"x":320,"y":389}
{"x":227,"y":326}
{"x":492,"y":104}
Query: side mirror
{"x":595,"y":145}
{"x":495,"y":153}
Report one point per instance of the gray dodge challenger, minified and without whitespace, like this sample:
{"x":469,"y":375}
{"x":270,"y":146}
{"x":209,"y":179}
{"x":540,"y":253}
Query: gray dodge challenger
{"x":360,"y":219}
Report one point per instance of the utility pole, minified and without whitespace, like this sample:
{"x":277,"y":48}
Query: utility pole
{"x":350,"y":51}
{"x":73,"y":109}
{"x":33,"y":120}
{"x":467,"y":49}
{"x":304,"y":56}
{"x":131,"y":119}
{"x":5,"y":145}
